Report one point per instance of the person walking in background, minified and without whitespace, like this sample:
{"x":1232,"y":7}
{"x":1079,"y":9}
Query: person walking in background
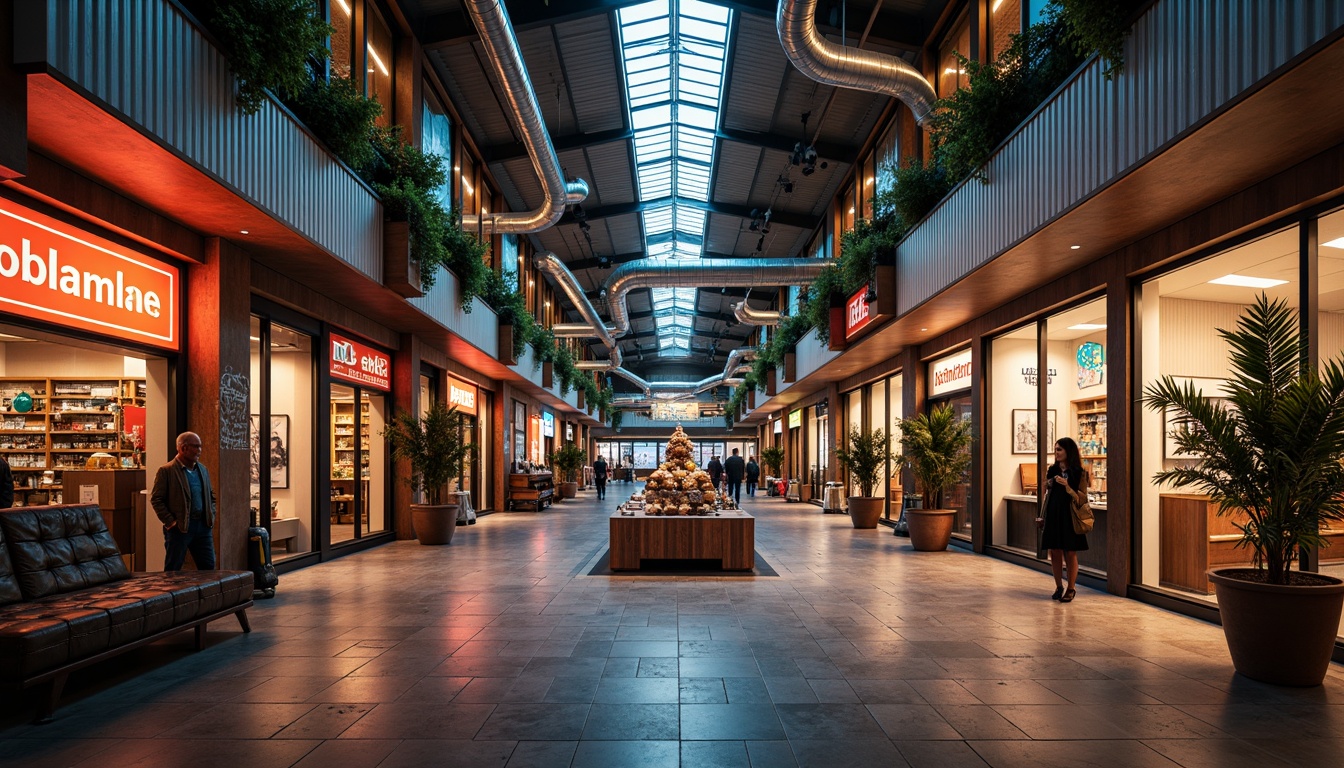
{"x":753,"y":475}
{"x":1066,"y":480}
{"x":735,"y":469}
{"x":600,"y":476}
{"x":184,"y":501}
{"x":715,"y":470}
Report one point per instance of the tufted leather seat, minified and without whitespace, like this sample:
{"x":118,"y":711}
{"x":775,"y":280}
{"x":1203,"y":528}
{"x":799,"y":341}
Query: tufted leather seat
{"x":66,"y":595}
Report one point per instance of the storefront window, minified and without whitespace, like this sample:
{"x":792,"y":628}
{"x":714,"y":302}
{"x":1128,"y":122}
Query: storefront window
{"x":1330,"y":330}
{"x":1014,"y":450}
{"x":848,"y":210}
{"x":281,"y":430}
{"x":818,"y":447}
{"x":1005,"y":21}
{"x":951,"y":75}
{"x":342,"y":49}
{"x":949,"y":381}
{"x":1179,"y":314}
{"x":437,"y":140}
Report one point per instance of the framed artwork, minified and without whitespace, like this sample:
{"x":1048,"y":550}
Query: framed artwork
{"x":279,"y":449}
{"x":1024,"y":430}
{"x":1171,"y":424}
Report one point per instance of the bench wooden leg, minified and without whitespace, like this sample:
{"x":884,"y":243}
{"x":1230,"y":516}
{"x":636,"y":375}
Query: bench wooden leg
{"x":242,"y":620}
{"x":200,"y":637}
{"x":47,"y":707}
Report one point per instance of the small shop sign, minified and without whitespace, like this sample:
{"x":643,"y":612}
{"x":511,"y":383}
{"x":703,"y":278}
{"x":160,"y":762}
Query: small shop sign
{"x":360,"y":364}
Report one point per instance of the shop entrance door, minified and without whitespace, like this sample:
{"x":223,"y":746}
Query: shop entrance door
{"x":959,"y":496}
{"x":358,"y":463}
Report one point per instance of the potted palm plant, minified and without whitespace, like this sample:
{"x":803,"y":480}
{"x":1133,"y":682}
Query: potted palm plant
{"x":436,"y":451}
{"x":568,"y":460}
{"x":1271,"y":461}
{"x":866,"y":457}
{"x":937,"y":446}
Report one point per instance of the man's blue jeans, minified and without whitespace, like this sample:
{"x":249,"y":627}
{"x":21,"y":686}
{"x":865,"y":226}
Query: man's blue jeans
{"x":197,"y":540}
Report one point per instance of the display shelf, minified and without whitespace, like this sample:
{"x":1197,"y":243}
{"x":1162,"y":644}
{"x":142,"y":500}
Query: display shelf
{"x":1090,"y":416}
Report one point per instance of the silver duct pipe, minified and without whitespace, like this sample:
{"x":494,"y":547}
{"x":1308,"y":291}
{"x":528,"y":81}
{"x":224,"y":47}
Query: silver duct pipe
{"x":698,"y":273}
{"x":844,"y":67}
{"x":680,"y":390}
{"x":745,"y":314}
{"x":501,"y":49}
{"x":552,"y":265}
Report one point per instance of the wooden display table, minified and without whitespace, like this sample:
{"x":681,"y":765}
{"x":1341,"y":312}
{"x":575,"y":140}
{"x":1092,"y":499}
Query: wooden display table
{"x":536,"y":489}
{"x":729,"y":538}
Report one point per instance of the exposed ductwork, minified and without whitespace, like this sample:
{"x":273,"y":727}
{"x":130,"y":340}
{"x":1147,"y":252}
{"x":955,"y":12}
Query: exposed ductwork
{"x":502,"y":51}
{"x":680,"y":390}
{"x":745,"y":314}
{"x":698,"y":273}
{"x":552,"y":265}
{"x":846,"y":67}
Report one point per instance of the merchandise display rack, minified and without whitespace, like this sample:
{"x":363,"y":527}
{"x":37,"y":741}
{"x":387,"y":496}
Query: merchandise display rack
{"x":1091,"y":415}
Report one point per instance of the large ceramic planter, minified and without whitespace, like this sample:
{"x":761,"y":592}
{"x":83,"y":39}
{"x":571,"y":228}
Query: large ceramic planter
{"x":930,"y":529}
{"x":434,"y":523}
{"x":569,"y":490}
{"x":1279,"y":634}
{"x":865,"y":511}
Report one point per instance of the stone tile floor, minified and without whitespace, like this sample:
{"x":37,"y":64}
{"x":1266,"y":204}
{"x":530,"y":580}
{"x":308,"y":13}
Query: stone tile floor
{"x":500,"y":651}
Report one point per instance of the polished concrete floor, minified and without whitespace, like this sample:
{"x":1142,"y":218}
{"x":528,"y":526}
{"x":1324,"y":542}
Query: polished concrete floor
{"x":501,"y":650}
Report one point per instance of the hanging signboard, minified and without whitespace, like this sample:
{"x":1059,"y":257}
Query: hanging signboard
{"x":857,"y":314}
{"x":548,"y":424}
{"x":795,"y":419}
{"x":950,"y":374}
{"x":462,"y":396}
{"x":57,"y":273}
{"x":360,"y":364}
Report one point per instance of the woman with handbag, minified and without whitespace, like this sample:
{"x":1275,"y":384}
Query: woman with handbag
{"x":1066,"y":498}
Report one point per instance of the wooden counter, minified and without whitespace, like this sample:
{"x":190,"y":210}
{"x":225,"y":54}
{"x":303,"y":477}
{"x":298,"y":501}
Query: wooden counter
{"x":1022,"y":511}
{"x":729,"y":538}
{"x":536,"y":489}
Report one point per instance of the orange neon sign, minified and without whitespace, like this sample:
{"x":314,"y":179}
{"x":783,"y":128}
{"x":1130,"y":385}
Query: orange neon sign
{"x":56,"y":273}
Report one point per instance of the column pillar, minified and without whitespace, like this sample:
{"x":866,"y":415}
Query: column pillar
{"x":218,"y":390}
{"x":405,"y":398}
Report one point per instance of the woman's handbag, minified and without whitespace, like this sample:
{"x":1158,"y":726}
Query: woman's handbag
{"x":1082,"y":514}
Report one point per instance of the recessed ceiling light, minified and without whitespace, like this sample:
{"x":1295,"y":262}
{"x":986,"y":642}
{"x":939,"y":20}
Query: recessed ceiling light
{"x":1242,"y":281}
{"x":1088,"y":327}
{"x":1074,"y":247}
{"x":923,"y":329}
{"x":242,"y":231}
{"x":1338,"y":242}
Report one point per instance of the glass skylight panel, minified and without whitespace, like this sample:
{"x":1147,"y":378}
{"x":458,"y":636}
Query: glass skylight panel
{"x":673,"y":52}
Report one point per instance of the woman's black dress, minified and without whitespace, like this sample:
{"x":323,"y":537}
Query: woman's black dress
{"x":1059,"y":514}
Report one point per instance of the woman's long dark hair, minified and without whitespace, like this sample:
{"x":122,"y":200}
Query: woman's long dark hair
{"x":1075,"y":459}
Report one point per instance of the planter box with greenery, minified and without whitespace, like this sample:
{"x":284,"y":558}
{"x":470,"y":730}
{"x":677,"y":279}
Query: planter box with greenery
{"x":773,"y":459}
{"x":937,"y":445}
{"x":567,"y":461}
{"x":1273,"y":460}
{"x":437,"y":453}
{"x":866,"y":458}
{"x":789,"y":366}
{"x":401,"y":273}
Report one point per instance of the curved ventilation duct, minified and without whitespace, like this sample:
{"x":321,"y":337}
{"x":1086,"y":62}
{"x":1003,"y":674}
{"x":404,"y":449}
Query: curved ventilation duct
{"x":552,"y":265}
{"x":845,"y":67}
{"x":501,"y":49}
{"x":746,"y":315}
{"x":680,"y":390}
{"x":698,"y":273}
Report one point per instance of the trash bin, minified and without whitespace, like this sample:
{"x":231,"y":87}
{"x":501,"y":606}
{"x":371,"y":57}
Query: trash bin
{"x":833,"y":498}
{"x":792,"y":493}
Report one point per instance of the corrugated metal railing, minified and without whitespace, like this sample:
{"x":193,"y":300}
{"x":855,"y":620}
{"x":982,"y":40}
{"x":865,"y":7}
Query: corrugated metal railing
{"x":480,"y":327}
{"x":1184,"y":60}
{"x":147,"y":61}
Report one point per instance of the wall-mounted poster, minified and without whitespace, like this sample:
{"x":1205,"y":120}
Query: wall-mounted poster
{"x":1025,"y":431}
{"x":279,"y":439}
{"x":1091,"y":364}
{"x":1212,"y":389}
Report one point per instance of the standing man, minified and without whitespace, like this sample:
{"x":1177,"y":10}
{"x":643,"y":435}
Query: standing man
{"x":600,"y":476}
{"x":185,"y":503}
{"x":753,"y":474}
{"x":735,"y":469}
{"x":715,"y":470}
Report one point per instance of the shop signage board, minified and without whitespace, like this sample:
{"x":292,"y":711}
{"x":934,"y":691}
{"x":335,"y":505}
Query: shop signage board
{"x":779,"y":427}
{"x":858,"y":314}
{"x":950,"y":374}
{"x":548,"y":424}
{"x":462,"y":396}
{"x":57,"y":273}
{"x":795,"y":419}
{"x":360,"y":364}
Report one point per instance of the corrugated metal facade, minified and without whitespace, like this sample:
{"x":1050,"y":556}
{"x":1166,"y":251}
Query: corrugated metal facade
{"x":146,"y":60}
{"x":479,"y":327}
{"x":1184,"y":60}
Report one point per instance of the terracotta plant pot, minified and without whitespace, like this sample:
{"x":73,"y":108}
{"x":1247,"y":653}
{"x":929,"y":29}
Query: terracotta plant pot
{"x":569,"y":490}
{"x":1282,"y":635}
{"x":434,"y":523}
{"x":930,"y":529}
{"x":864,"y":511}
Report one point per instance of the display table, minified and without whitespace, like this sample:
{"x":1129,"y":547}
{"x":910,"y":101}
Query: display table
{"x":729,"y":538}
{"x":535,"y":489}
{"x":285,"y":529}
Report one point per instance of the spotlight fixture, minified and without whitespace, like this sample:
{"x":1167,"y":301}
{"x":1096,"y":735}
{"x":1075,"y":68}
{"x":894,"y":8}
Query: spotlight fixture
{"x":785,"y":183}
{"x":871,"y":295}
{"x":604,"y":262}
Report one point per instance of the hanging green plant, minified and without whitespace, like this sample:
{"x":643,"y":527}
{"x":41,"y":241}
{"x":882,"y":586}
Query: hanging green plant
{"x":340,"y":117}
{"x":269,"y":44}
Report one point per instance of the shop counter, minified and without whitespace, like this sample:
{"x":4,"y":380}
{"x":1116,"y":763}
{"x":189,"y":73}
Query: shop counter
{"x":1022,"y":511}
{"x":729,"y":538}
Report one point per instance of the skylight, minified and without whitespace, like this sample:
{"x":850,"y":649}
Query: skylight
{"x":674,"y":51}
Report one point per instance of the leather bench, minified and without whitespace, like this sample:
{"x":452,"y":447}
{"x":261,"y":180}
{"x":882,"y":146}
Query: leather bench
{"x":68,"y":601}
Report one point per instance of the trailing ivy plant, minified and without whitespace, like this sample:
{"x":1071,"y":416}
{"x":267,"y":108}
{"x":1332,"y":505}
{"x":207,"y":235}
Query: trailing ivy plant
{"x":614,"y":419}
{"x":269,"y":44}
{"x":916,"y":190}
{"x":340,"y":117}
{"x":1098,"y":26}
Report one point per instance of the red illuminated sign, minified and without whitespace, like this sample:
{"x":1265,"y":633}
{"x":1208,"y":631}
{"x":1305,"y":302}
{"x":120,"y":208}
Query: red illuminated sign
{"x":56,"y":273}
{"x":360,"y":364}
{"x":857,"y":313}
